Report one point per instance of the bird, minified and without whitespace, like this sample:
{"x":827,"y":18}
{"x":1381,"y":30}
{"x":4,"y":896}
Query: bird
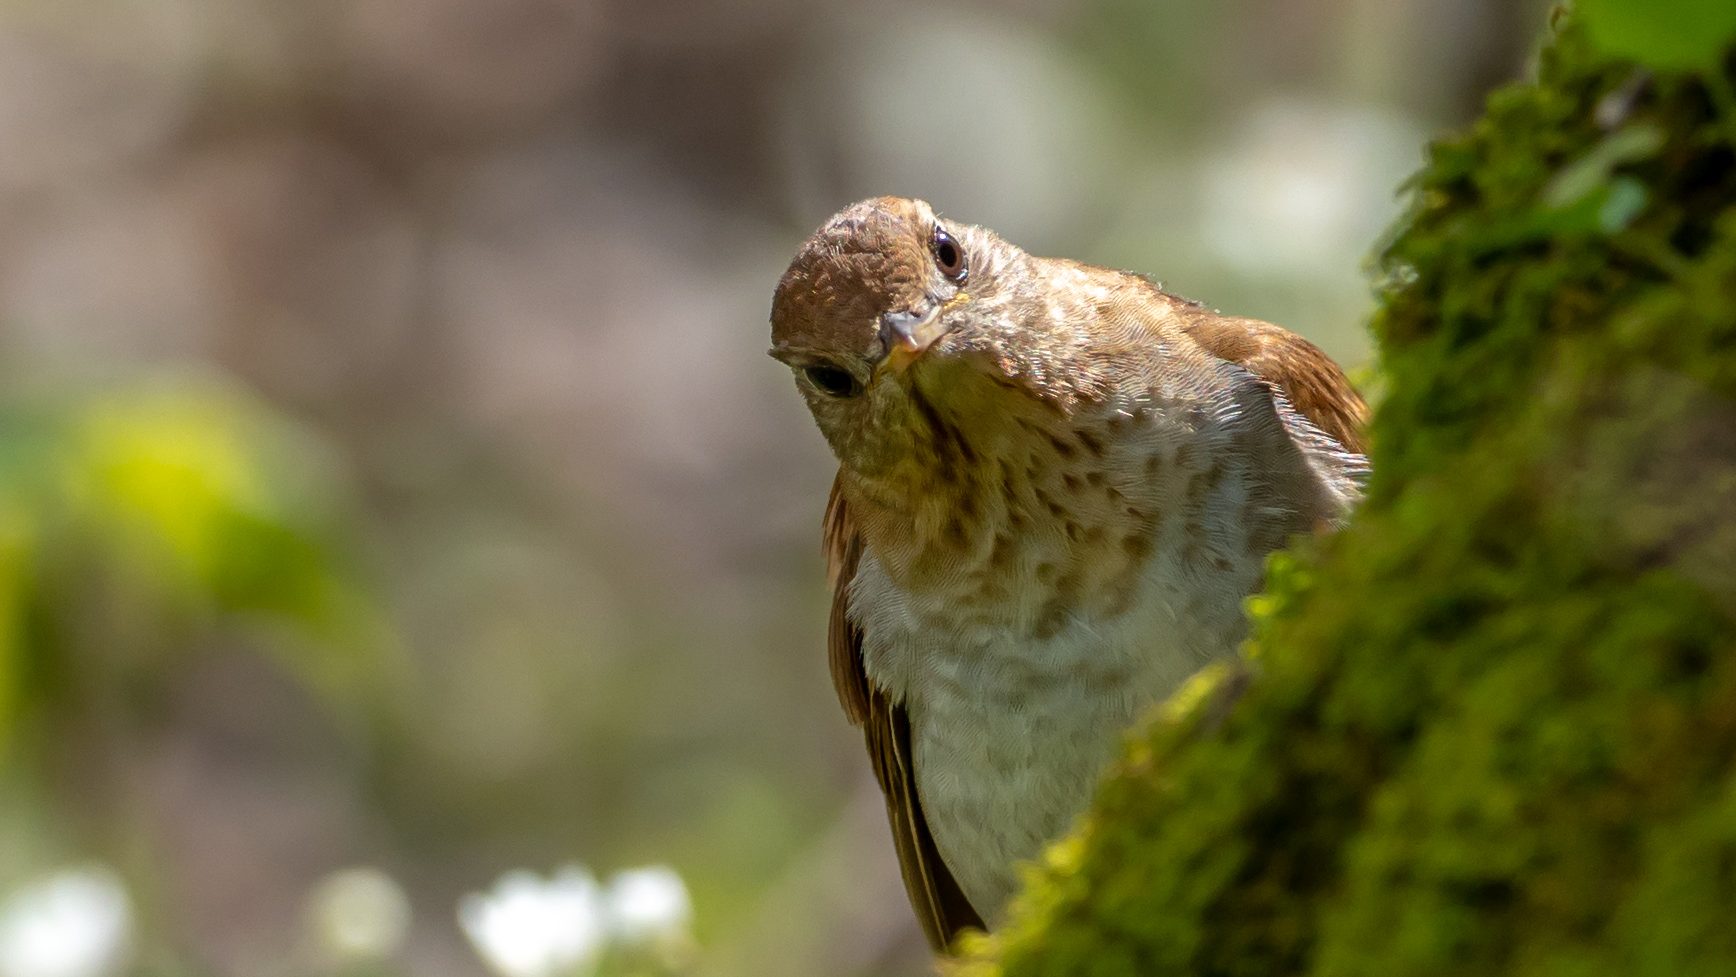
{"x":1057,"y":485}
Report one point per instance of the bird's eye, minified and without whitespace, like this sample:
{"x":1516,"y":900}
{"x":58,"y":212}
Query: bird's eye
{"x":831,"y":380}
{"x":948,"y":256}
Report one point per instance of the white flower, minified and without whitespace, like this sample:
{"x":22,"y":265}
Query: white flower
{"x":529,"y":927}
{"x":74,"y":923}
{"x":648,"y":905}
{"x":359,"y":914}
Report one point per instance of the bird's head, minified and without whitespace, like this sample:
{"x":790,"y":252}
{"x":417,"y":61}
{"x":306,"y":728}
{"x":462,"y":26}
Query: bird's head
{"x":890,"y":314}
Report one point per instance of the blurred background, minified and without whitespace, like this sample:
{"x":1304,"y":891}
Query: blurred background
{"x":394,"y":492}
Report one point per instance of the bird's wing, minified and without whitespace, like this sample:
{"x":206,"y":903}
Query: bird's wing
{"x":940,"y":905}
{"x":1312,"y":383}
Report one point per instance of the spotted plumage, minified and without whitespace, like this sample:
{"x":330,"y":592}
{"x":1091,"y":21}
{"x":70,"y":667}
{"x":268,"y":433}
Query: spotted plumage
{"x":1057,"y":483}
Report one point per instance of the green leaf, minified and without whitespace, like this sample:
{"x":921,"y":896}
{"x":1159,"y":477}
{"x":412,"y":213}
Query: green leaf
{"x":1662,"y":33}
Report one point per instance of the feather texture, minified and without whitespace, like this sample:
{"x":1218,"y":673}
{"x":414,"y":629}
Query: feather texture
{"x":1047,"y":515}
{"x":941,"y":908}
{"x":1314,"y":385}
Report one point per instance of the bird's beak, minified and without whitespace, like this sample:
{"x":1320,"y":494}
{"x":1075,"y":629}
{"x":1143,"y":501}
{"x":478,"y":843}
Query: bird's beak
{"x":907,"y":335}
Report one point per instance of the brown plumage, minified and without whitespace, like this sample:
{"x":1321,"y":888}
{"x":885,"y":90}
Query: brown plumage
{"x":1314,"y":384}
{"x":1036,"y":457}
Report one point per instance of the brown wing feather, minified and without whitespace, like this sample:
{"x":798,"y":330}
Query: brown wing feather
{"x":1314,"y":384}
{"x":843,"y":548}
{"x":940,"y":905}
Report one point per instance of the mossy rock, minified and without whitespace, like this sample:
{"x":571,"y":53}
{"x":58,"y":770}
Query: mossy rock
{"x":1489,"y":728}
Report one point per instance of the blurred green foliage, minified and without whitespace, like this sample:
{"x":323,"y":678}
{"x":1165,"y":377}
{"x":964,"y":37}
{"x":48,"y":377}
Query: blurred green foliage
{"x":1491,"y":727}
{"x":135,"y":520}
{"x":1666,"y":34}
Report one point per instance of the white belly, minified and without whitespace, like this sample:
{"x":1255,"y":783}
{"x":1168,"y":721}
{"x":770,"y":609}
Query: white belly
{"x":1003,"y":768}
{"x":1010,"y":734}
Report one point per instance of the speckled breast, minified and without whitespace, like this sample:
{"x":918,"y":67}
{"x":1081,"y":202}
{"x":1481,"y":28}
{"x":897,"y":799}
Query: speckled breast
{"x":1100,"y":567}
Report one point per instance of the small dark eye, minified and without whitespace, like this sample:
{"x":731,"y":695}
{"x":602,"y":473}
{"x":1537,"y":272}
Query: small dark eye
{"x":832,"y":381}
{"x":948,"y":256}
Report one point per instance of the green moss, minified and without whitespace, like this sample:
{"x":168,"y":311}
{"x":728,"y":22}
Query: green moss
{"x":1492,"y":724}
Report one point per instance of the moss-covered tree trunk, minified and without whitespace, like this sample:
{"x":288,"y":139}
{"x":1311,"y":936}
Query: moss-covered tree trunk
{"x":1491,"y":727}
